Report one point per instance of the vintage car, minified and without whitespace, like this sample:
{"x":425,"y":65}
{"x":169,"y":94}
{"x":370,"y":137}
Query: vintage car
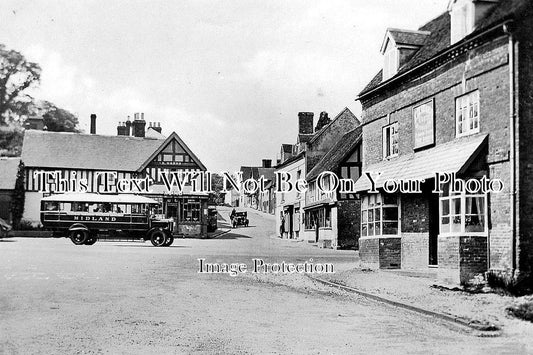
{"x":240,"y":219}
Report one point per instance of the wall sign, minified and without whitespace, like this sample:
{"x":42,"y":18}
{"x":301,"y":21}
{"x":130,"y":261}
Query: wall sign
{"x":424,"y":125}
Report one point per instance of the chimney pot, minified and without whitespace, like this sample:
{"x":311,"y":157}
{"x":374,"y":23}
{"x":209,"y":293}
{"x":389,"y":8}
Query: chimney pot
{"x":93,"y":123}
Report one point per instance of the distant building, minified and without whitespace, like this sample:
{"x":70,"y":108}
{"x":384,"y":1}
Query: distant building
{"x":311,"y":146}
{"x":333,"y":219}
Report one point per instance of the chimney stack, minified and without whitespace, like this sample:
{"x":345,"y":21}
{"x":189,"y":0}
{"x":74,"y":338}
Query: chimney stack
{"x":128,"y":127}
{"x":305,"y":121}
{"x":157,"y":126}
{"x":121,"y":129}
{"x":139,"y":125}
{"x":267,"y":163}
{"x":93,"y":123}
{"x":322,"y":121}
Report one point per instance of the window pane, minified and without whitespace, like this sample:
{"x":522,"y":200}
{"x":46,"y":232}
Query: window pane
{"x":377,"y":228}
{"x":474,"y":223}
{"x":364,"y":217}
{"x":371,"y":229}
{"x":390,"y":228}
{"x":445,"y":207}
{"x":455,"y":205}
{"x":456,"y":224}
{"x":377,"y":214}
{"x":390,"y":199}
{"x":390,"y":213}
{"x":364,"y":230}
{"x":371,"y":215}
{"x":445,"y":225}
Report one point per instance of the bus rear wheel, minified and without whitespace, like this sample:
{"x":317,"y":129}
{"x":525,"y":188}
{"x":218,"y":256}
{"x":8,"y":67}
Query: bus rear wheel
{"x":78,"y":237}
{"x":158,"y":238}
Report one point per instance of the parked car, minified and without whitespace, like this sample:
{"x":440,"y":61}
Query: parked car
{"x":240,"y":219}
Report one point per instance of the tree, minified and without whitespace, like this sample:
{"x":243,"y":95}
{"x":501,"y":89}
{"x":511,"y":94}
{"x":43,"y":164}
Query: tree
{"x":59,"y":120}
{"x":16,"y":75}
{"x":17,"y":202}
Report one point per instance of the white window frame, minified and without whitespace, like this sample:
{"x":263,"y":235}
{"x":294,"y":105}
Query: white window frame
{"x":391,"y":144}
{"x":461,"y":21}
{"x":391,"y":61}
{"x":467,"y":114}
{"x":365,"y":222}
{"x":461,"y":213}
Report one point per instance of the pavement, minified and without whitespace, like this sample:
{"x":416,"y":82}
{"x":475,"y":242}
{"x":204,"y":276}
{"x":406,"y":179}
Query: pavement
{"x":133,"y":298}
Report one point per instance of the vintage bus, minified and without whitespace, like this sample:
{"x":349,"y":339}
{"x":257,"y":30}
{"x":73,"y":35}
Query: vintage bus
{"x":83,"y":217}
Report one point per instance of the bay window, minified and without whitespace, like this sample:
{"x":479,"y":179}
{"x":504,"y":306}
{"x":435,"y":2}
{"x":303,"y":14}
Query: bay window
{"x":462,"y":213}
{"x":379,"y":215}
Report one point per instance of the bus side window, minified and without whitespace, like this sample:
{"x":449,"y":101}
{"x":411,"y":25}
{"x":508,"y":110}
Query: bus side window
{"x":65,"y":206}
{"x":51,"y":206}
{"x":119,"y":208}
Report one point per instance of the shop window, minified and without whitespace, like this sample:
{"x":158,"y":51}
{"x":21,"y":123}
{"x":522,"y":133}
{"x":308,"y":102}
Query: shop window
{"x":321,"y":216}
{"x":390,"y":140}
{"x":379,"y":215}
{"x":463,"y":213}
{"x":190,"y":210}
{"x":467,"y":114}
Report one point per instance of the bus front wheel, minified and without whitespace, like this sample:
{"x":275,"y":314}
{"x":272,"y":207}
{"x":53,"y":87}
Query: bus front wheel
{"x":78,"y":237}
{"x":158,"y":238}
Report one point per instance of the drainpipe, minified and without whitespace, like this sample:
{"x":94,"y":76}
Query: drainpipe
{"x":508,"y":29}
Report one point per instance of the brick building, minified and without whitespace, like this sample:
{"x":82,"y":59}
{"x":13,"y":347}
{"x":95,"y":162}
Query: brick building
{"x":332,"y":219}
{"x":453,"y":97}
{"x":312,"y":144}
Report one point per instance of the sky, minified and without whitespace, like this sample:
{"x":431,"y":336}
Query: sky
{"x":229,"y":77}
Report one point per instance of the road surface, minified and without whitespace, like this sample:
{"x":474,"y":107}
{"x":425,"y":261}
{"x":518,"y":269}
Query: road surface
{"x":132,"y":298}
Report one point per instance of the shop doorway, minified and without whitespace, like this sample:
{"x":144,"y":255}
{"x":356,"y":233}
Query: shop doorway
{"x":433,"y":209}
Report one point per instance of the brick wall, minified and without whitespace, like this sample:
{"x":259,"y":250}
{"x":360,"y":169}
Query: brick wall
{"x":414,"y":213}
{"x":473,"y":257}
{"x":415,"y":250}
{"x":369,"y":253}
{"x":390,"y":253}
{"x":349,"y":217}
{"x":524,"y":82}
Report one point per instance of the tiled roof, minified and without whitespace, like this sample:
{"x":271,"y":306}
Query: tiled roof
{"x":86,"y":151}
{"x":335,"y":156}
{"x":450,"y":157}
{"x":8,"y":173}
{"x":439,"y":39}
{"x":345,"y":111}
{"x":408,"y":37}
